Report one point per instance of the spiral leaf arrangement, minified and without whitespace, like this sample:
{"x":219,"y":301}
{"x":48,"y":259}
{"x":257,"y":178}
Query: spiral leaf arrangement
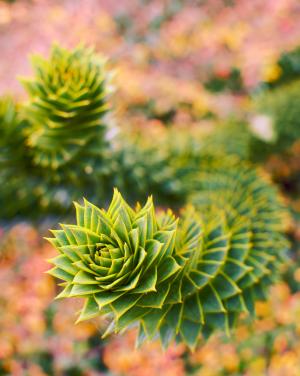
{"x":68,"y":101}
{"x":181,"y":278}
{"x":57,"y":146}
{"x":176,"y":278}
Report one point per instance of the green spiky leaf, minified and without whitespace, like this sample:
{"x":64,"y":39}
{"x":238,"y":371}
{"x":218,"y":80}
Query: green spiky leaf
{"x":181,"y":278}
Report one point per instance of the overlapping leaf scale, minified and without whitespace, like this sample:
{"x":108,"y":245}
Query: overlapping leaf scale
{"x":120,"y":260}
{"x":207,"y":285}
{"x":196,"y":277}
{"x":66,"y":108}
{"x":256,"y":218}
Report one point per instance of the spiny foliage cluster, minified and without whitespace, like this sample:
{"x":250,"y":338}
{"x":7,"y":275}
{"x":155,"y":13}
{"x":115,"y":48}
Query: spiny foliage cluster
{"x":176,"y":278}
{"x":63,"y":133}
{"x":67,"y":104}
{"x":60,"y":133}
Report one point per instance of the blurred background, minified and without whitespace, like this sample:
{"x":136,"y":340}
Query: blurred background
{"x":226,"y":70}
